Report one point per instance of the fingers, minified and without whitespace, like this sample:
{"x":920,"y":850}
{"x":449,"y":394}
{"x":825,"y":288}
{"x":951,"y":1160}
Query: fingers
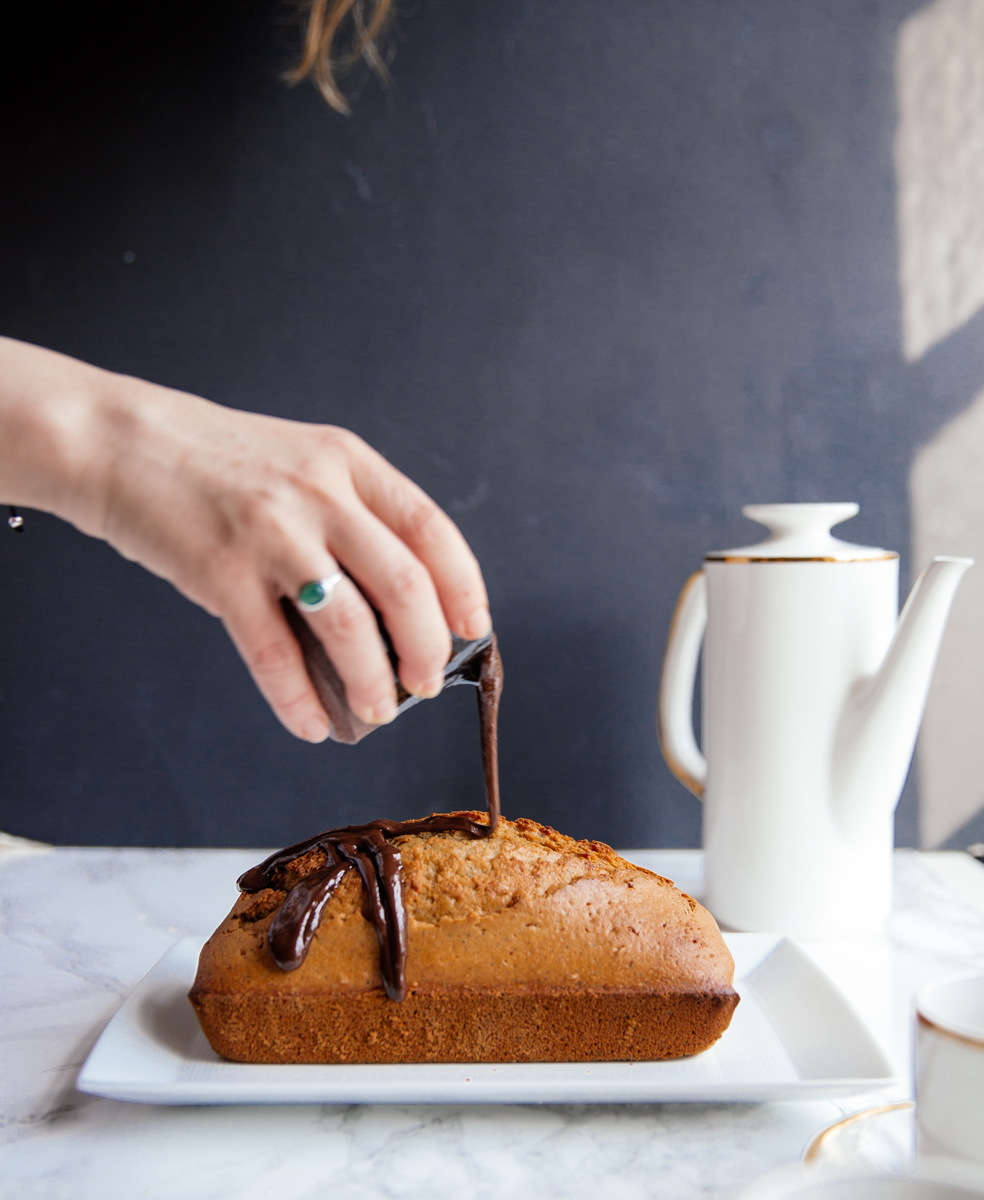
{"x":273,"y":656}
{"x":347,"y":629}
{"x":401,"y":587}
{"x":431,"y":536}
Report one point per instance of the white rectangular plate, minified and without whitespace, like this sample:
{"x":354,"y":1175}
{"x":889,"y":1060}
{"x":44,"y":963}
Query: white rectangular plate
{"x":793,"y":1036}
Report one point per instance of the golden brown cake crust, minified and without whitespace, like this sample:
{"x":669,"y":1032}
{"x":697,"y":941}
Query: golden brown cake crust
{"x":524,"y":946}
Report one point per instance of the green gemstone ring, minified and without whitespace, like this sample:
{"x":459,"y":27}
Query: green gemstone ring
{"x":316,"y":595}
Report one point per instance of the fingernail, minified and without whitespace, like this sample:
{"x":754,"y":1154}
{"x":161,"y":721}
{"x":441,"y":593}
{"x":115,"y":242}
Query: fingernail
{"x":381,"y":714}
{"x":477,"y":624}
{"x":431,"y":688}
{"x":315,"y":731}
{"x":384,"y":712}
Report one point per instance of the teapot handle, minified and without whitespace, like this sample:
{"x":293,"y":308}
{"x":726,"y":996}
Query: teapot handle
{"x":674,"y":723}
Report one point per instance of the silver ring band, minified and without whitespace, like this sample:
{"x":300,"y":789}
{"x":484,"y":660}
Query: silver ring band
{"x":314,"y":596}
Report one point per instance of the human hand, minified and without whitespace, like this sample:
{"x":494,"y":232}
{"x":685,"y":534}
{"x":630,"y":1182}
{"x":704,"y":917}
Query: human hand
{"x":237,"y":510}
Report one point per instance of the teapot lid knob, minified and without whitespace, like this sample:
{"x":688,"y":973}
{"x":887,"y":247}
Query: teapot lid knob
{"x":801,"y":531}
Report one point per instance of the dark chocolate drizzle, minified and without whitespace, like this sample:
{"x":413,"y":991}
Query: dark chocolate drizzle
{"x":366,"y":848}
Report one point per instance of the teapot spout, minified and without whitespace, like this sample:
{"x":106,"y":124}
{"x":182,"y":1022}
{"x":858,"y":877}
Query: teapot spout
{"x":876,"y":733}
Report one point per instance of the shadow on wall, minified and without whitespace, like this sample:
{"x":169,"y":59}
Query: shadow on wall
{"x":939,"y":157}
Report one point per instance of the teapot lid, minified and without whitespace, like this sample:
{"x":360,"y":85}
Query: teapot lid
{"x":800,"y":533}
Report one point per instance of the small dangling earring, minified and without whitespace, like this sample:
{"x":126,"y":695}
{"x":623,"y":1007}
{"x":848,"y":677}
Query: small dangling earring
{"x":15,"y":520}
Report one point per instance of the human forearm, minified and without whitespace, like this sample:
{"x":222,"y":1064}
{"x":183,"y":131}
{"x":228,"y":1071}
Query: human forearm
{"x":54,"y":419}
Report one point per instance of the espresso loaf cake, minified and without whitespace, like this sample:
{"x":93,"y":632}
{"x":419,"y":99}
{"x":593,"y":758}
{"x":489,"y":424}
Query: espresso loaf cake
{"x":461,"y":938}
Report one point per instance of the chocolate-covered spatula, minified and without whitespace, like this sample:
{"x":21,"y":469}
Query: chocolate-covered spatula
{"x":463,"y":667}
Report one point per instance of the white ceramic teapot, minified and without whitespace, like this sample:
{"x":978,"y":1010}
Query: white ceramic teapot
{"x":812,"y":695}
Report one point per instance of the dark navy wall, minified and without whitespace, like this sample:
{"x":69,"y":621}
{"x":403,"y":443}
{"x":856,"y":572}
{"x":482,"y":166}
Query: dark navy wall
{"x":594,"y":275}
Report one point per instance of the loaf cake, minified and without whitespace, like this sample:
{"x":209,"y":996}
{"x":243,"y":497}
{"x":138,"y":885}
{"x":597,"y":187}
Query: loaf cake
{"x":522,"y":945}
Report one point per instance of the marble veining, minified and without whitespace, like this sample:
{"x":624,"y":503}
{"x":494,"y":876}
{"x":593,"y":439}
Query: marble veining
{"x":80,"y":927}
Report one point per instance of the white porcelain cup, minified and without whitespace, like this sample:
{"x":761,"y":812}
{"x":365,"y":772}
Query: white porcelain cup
{"x":950,"y":1068}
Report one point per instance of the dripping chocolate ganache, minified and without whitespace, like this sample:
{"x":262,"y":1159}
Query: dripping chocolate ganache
{"x":504,"y":940}
{"x":368,"y":850}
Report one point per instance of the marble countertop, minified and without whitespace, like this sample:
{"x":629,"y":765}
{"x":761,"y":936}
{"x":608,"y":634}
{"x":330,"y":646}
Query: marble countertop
{"x":82,"y":926}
